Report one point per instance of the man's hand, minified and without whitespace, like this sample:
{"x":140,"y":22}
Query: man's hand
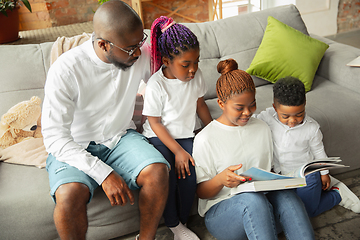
{"x":117,"y":190}
{"x":325,"y":180}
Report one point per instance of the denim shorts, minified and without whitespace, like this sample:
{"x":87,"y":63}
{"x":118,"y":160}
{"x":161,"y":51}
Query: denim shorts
{"x":131,"y":154}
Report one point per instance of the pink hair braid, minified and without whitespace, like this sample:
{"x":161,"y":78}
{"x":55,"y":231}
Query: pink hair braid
{"x":157,"y":26}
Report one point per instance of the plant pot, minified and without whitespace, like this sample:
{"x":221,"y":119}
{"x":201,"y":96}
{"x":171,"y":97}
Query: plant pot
{"x":9,"y":27}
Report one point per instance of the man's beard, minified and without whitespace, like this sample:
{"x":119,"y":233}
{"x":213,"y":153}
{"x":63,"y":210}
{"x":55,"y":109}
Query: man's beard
{"x":120,"y":65}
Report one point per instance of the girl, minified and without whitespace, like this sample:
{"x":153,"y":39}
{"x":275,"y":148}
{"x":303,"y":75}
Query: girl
{"x":174,"y":94}
{"x":229,"y":146}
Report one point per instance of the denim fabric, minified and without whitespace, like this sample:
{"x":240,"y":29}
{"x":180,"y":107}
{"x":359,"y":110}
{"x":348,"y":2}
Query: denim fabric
{"x":316,"y":200}
{"x":258,"y":215}
{"x":131,"y":154}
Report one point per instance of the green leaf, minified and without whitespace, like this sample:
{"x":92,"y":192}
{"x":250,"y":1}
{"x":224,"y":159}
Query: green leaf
{"x":27,"y":4}
{"x":4,"y":12}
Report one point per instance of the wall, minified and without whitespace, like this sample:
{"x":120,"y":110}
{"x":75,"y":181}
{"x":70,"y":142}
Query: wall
{"x":195,"y":9}
{"x":320,"y":16}
{"x":64,"y":12}
{"x":349,"y":15}
{"x":38,"y":19}
{"x":51,"y":13}
{"x":325,"y":17}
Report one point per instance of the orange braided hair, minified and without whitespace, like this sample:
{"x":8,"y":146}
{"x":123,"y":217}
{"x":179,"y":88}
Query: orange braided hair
{"x":232,"y":80}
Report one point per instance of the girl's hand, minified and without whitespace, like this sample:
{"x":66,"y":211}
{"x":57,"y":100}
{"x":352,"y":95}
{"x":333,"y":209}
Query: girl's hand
{"x":325,"y":180}
{"x":229,"y":178}
{"x":182,"y":159}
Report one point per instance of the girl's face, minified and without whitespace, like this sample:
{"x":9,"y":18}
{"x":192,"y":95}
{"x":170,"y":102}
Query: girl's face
{"x":183,"y":66}
{"x":238,"y":109}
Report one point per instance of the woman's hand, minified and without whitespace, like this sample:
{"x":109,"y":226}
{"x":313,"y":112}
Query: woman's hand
{"x":182,"y":159}
{"x":229,"y":178}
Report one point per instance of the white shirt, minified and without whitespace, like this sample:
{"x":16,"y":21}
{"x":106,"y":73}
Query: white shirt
{"x":294,"y":146}
{"x":175,"y":102}
{"x":219,"y":146}
{"x":87,"y":100}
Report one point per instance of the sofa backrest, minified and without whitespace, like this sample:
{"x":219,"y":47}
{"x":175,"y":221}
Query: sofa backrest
{"x":239,"y":38}
{"x":24,"y":67}
{"x":23,"y":72}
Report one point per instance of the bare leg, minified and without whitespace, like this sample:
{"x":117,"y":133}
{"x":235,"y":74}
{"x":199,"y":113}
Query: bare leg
{"x":154,"y":183}
{"x":70,"y":214}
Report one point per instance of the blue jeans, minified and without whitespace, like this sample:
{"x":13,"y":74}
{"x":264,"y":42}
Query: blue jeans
{"x":316,"y":200}
{"x":181,"y":191}
{"x":257,"y":215}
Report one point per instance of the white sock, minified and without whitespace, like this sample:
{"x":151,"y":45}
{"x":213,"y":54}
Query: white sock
{"x":183,"y":233}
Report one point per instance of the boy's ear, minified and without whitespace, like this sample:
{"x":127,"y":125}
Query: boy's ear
{"x":274,"y":106}
{"x":221,"y":104}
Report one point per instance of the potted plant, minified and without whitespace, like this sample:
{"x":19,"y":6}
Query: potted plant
{"x":9,"y":19}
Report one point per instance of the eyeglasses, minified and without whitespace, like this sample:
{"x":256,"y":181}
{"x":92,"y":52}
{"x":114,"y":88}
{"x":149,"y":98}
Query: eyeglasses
{"x":132,"y":51}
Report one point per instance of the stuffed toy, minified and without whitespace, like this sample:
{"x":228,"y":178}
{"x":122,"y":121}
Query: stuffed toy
{"x":21,"y":122}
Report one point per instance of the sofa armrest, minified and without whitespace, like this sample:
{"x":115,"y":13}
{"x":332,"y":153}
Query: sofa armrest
{"x":333,"y":65}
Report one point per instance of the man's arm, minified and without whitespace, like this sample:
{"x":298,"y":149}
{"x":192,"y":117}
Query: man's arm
{"x":57,"y":117}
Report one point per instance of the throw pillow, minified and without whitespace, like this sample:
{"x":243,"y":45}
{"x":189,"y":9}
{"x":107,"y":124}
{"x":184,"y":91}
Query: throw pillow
{"x":285,"y":51}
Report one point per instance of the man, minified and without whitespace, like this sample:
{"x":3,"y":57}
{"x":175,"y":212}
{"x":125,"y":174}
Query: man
{"x":86,"y":123}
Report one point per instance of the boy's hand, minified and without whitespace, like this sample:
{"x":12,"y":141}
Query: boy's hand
{"x":182,"y":159}
{"x":325,"y":180}
{"x":230,"y":179}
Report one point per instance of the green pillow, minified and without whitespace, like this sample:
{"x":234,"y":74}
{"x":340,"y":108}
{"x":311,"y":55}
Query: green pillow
{"x":285,"y":51}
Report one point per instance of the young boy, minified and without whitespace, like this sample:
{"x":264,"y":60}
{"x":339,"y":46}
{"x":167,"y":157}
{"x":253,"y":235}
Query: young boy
{"x":298,"y":140}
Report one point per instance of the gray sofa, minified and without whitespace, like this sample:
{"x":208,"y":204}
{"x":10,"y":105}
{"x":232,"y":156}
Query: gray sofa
{"x":25,"y":205}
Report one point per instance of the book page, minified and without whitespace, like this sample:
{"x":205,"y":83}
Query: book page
{"x":258,"y":174}
{"x":354,"y":63}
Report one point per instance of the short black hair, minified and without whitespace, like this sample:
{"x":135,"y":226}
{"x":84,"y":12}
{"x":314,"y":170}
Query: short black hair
{"x":289,"y":91}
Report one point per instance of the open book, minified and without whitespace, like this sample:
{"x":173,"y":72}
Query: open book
{"x":267,"y":181}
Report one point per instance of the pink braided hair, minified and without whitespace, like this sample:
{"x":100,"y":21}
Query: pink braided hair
{"x":158,"y":26}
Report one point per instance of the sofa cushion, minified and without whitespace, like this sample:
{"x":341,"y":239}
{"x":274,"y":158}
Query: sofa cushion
{"x":284,"y":51}
{"x":25,"y":204}
{"x":237,"y":37}
{"x":20,"y":62}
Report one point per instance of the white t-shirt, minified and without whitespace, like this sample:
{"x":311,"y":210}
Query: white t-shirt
{"x":87,"y":100}
{"x":175,"y":102}
{"x":219,"y":146}
{"x":294,"y":146}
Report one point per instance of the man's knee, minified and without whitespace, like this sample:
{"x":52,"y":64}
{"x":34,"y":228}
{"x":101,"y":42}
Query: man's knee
{"x":72,"y":193}
{"x":156,"y":173}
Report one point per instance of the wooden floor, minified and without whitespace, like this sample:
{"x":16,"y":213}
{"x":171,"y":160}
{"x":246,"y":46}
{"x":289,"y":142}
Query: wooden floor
{"x":351,"y":38}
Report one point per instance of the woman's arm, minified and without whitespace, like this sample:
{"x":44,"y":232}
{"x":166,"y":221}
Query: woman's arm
{"x":227,"y":178}
{"x":203,"y":111}
{"x":182,"y":157}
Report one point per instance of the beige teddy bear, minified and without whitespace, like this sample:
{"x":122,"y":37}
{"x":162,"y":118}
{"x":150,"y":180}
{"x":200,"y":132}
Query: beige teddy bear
{"x":21,"y":122}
